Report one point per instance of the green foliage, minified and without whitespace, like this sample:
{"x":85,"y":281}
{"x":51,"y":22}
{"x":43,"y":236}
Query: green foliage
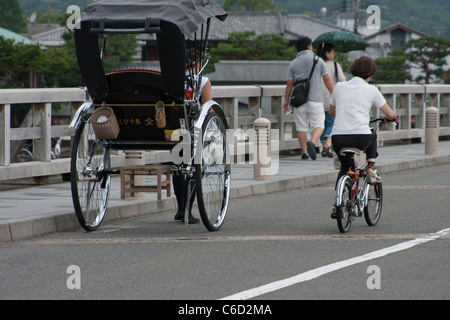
{"x":58,"y":66}
{"x":119,"y":48}
{"x":430,"y":17}
{"x":52,"y":16}
{"x":428,"y":54}
{"x":249,"y":5}
{"x":392,"y":70}
{"x":247,"y":46}
{"x":11,"y":16}
{"x":30,"y":6}
{"x":17,"y":60}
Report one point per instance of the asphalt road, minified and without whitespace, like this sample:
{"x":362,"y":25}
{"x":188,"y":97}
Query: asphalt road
{"x":284,"y":244}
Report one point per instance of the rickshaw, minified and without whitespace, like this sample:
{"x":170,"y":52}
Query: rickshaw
{"x":149,"y":110}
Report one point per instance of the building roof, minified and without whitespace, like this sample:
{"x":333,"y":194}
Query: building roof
{"x":7,"y":34}
{"x":290,"y":26}
{"x":260,"y":22}
{"x":52,"y":38}
{"x":300,"y":24}
{"x":395,"y":27}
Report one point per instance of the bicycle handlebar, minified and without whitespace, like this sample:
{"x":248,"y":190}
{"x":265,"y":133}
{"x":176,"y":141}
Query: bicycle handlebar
{"x":382,"y":120}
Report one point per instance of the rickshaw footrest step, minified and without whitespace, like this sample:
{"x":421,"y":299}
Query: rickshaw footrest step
{"x":128,"y":183}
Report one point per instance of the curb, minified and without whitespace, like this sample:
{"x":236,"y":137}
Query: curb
{"x":41,"y":225}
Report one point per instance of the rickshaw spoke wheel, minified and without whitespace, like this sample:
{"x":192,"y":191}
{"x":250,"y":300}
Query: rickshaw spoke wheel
{"x":213,"y":173}
{"x":90,"y":181}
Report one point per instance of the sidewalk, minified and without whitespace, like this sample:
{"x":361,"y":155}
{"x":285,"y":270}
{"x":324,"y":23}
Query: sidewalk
{"x":38,"y":210}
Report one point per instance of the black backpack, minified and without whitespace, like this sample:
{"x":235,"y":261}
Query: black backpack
{"x":300,"y":93}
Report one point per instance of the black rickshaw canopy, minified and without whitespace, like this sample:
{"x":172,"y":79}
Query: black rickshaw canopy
{"x":172,"y":20}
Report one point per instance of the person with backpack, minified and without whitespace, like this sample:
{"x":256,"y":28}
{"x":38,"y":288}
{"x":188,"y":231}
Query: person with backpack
{"x":304,"y":93}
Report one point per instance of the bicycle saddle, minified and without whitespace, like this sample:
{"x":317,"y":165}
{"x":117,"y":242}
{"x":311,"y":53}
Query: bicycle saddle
{"x":343,"y":151}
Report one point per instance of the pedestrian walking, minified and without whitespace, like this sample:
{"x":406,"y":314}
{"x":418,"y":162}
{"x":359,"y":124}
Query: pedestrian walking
{"x":327,"y":53}
{"x":311,"y":113}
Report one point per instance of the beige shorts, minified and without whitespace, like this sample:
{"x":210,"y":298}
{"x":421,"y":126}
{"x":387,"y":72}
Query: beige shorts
{"x":310,"y":114}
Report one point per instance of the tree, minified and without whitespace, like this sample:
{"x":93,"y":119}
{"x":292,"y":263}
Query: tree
{"x":119,"y":48}
{"x":428,"y":54}
{"x":18,"y":62}
{"x":247,"y":46}
{"x":393,"y":69}
{"x":11,"y":16}
{"x":249,"y":5}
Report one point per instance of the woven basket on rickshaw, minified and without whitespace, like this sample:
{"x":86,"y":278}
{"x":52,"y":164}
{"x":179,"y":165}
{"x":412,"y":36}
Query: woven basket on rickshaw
{"x":105,"y":123}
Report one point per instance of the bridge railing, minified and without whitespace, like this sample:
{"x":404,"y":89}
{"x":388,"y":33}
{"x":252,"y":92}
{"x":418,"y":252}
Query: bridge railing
{"x":242,"y":106}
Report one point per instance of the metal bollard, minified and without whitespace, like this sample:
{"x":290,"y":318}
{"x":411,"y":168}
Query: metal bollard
{"x":263,"y":164}
{"x":136,"y":158}
{"x":431,"y":131}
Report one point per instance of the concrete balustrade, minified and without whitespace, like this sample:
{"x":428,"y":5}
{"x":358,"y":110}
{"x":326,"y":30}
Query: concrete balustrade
{"x":242,"y":106}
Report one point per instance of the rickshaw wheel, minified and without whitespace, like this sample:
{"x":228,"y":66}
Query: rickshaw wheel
{"x":213,"y":173}
{"x":90,"y":181}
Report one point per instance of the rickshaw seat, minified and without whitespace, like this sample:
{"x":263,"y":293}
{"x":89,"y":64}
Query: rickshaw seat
{"x":135,"y":86}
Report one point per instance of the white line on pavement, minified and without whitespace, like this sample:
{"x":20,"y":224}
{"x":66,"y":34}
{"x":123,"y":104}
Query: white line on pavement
{"x":315,"y":273}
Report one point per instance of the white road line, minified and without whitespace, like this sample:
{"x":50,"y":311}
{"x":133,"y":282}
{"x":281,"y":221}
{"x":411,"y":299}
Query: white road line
{"x":315,"y":273}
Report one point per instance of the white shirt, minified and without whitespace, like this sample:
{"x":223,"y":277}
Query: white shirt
{"x":353,"y":100}
{"x":332,"y":74}
{"x":204,"y":80}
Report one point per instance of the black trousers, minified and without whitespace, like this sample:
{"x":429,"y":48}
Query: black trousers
{"x":364,"y":142}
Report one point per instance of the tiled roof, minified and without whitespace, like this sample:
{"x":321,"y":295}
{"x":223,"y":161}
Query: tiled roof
{"x":290,"y":26}
{"x":260,"y":22}
{"x":395,"y":27}
{"x":7,"y":34}
{"x":50,"y":38}
{"x":300,"y":24}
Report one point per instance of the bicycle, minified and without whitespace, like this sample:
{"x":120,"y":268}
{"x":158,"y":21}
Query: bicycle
{"x":355,"y":195}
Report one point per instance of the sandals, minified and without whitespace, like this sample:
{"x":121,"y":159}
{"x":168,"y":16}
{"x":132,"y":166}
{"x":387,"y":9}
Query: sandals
{"x":326,"y":152}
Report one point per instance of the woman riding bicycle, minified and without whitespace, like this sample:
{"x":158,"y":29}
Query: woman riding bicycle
{"x":350,"y":105}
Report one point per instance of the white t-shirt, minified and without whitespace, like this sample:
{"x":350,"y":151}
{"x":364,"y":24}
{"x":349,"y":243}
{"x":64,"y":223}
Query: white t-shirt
{"x":353,"y":100}
{"x":204,"y":80}
{"x":332,"y":74}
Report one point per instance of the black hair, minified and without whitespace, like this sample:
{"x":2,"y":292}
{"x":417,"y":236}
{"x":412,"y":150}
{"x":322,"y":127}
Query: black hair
{"x":324,"y":49}
{"x":303,"y":43}
{"x":193,"y":56}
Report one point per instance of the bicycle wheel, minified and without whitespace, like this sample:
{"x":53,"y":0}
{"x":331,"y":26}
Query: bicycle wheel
{"x":24,"y":155}
{"x":213,"y":173}
{"x":344,"y":203}
{"x":374,"y":203}
{"x":90,"y":181}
